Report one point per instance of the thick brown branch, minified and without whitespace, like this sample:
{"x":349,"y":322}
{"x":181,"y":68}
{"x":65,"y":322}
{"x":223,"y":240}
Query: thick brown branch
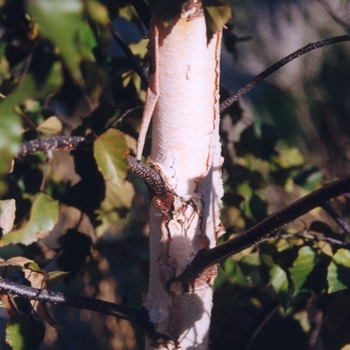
{"x":259,"y":78}
{"x":266,"y":228}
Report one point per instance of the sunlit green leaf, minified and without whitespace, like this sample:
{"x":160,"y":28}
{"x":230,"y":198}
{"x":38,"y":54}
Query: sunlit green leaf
{"x":302,"y":266}
{"x":43,"y":217}
{"x":217,"y":13}
{"x":24,"y":333}
{"x":110,"y":151}
{"x":339,"y":271}
{"x":280,"y":284}
{"x":60,"y":21}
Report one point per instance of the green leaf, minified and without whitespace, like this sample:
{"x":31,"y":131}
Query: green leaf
{"x":256,"y":267}
{"x":166,"y":10}
{"x":10,"y":123}
{"x":339,"y":271}
{"x":60,"y":21}
{"x":280,"y":284}
{"x":302,"y":267}
{"x":43,"y":217}
{"x":217,"y":13}
{"x":110,"y":151}
{"x":24,"y":333}
{"x":10,"y":131}
{"x":55,"y":277}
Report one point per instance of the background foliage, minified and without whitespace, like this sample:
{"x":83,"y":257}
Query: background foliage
{"x":78,"y":222}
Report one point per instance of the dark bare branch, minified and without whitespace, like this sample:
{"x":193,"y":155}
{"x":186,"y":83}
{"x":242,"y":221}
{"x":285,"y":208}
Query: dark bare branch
{"x":266,"y":228}
{"x":326,"y":206}
{"x":140,"y":70}
{"x":145,"y":172}
{"x":143,"y":11}
{"x":46,"y":296}
{"x":51,"y":297}
{"x":259,"y":78}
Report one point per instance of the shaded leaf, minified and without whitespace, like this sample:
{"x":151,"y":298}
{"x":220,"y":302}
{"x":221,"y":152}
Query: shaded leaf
{"x":60,"y":21}
{"x":280,"y":284}
{"x":7,"y":215}
{"x":43,"y":217}
{"x":338,"y":275}
{"x":24,"y":333}
{"x":302,"y":267}
{"x":10,"y":123}
{"x":166,"y":10}
{"x":55,"y":277}
{"x":217,"y":13}
{"x":10,"y":131}
{"x":256,"y":267}
{"x":110,"y":151}
{"x":97,"y":11}
{"x":50,"y":126}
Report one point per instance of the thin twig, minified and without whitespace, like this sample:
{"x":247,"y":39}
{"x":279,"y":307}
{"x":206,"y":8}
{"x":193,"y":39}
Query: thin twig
{"x":266,"y":228}
{"x":262,"y":324}
{"x":308,"y":235}
{"x":326,"y":206}
{"x":140,"y":70}
{"x":259,"y":78}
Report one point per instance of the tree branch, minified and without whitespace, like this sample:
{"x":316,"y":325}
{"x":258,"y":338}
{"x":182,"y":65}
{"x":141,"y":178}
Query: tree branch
{"x":259,"y":78}
{"x":266,"y":228}
{"x":326,"y":206}
{"x":140,"y":70}
{"x":46,"y":296}
{"x":56,"y":298}
{"x":145,"y":172}
{"x":143,"y":11}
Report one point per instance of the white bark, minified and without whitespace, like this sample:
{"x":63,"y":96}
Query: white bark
{"x":186,"y":149}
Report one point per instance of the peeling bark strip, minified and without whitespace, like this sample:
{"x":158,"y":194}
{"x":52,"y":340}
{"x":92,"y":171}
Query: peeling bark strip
{"x":183,"y":98}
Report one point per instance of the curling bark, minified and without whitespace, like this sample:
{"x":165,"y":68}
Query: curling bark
{"x":184,"y":99}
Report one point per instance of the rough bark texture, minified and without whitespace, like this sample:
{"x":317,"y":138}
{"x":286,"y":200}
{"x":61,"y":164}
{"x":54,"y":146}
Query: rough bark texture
{"x":187,"y":152}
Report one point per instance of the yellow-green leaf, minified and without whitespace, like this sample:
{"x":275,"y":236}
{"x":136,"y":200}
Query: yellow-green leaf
{"x":280,"y":284}
{"x":217,"y":13}
{"x":50,"y":126}
{"x":110,"y":151}
{"x":43,"y":217}
{"x":338,"y":275}
{"x":24,"y":333}
{"x":302,"y":267}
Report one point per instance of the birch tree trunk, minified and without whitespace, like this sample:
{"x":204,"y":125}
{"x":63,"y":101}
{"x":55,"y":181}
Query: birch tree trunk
{"x":186,"y":150}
